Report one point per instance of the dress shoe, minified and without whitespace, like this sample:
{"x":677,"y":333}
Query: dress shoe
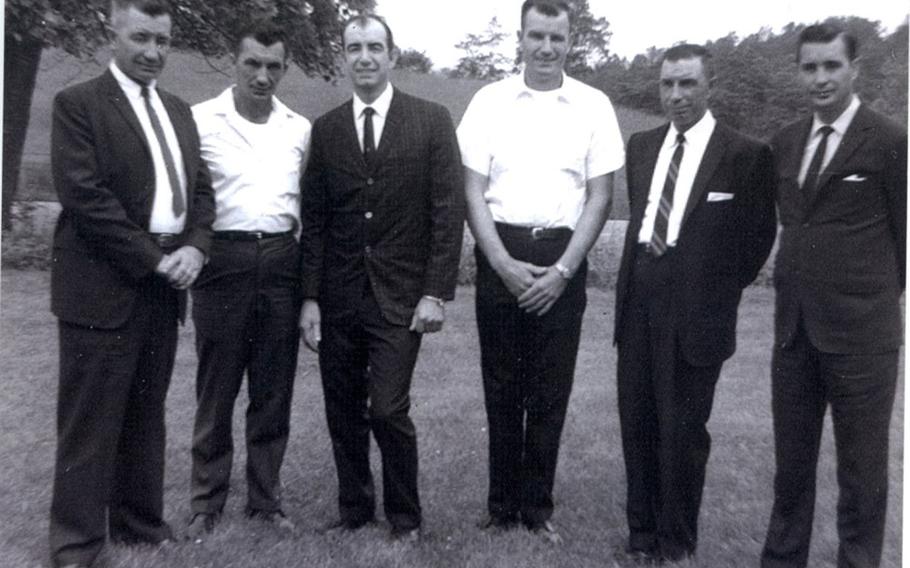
{"x":345,"y":525}
{"x":546,"y":531}
{"x":200,"y":525}
{"x":276,"y":518}
{"x":406,"y":535}
{"x":497,"y":522}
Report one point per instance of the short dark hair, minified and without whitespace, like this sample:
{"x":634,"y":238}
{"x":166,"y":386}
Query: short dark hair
{"x":362,"y":20}
{"x":265,"y":32}
{"x":148,"y":7}
{"x":826,"y":33}
{"x":551,"y":8}
{"x":691,"y":51}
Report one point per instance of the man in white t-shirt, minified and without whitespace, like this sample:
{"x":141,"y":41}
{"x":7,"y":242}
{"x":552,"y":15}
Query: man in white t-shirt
{"x":246,"y":302}
{"x":539,"y":150}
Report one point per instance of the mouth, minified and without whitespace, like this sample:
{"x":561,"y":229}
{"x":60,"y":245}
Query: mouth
{"x":827,"y":93}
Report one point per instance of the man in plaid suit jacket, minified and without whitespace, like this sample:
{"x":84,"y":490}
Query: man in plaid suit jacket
{"x":381,"y":239}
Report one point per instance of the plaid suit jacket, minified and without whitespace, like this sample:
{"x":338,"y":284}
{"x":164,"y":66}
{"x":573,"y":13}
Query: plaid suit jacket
{"x":396,"y":227}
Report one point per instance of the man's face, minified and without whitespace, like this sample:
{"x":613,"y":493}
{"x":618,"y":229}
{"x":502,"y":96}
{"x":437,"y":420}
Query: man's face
{"x":141,"y":43}
{"x":544,"y":44}
{"x":258,"y":70}
{"x":684,"y":91}
{"x":367,"y":56}
{"x":828,"y":75}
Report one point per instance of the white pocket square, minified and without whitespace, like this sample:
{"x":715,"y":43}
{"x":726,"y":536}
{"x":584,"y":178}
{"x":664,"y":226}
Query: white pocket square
{"x":719,"y":196}
{"x":855,"y":177}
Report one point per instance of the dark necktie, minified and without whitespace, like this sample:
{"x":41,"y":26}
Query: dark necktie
{"x":815,"y":166}
{"x":369,"y":145}
{"x":662,"y":220}
{"x":177,"y":204}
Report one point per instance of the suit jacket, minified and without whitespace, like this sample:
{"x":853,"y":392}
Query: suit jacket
{"x":105,"y":179}
{"x":721,"y":245}
{"x":396,"y":227}
{"x":841,"y":263}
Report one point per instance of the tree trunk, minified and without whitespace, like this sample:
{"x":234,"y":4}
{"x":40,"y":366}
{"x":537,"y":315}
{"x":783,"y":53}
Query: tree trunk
{"x":20,"y":68}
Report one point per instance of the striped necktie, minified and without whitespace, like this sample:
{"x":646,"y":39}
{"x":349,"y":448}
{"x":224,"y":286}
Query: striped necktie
{"x":369,"y":144}
{"x":662,"y":221}
{"x":177,"y":204}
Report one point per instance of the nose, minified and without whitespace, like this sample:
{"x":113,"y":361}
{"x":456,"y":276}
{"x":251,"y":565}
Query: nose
{"x":676,"y":93}
{"x":152,"y":51}
{"x":546,"y":46}
{"x":262,"y":76}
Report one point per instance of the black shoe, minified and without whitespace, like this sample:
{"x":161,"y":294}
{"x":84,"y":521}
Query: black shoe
{"x":276,"y":518}
{"x":200,"y":525}
{"x":345,"y":525}
{"x":498,"y":522}
{"x":546,"y":531}
{"x":406,"y":535}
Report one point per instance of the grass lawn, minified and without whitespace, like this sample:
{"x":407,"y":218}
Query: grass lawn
{"x":448,"y":411}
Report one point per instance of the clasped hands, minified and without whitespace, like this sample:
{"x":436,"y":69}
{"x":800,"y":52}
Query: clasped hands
{"x":181,"y":267}
{"x":536,"y":287}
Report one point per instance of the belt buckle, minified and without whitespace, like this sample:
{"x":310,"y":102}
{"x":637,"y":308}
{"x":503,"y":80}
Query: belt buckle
{"x":258,"y":235}
{"x":165,"y":240}
{"x":537,"y":233}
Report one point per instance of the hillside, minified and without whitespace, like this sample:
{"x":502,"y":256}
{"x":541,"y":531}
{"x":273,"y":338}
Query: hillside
{"x":195,"y":79}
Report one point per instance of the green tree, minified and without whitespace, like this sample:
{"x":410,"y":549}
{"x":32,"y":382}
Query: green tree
{"x":78,"y":27}
{"x":414,"y":61}
{"x":590,"y":41}
{"x":483,"y":58}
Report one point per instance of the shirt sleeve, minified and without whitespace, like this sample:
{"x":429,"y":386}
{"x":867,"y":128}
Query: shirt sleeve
{"x":473,"y":136}
{"x":605,"y":154}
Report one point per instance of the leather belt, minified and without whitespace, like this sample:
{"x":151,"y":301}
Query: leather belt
{"x":165,"y":240}
{"x":647,"y":249}
{"x":534,"y":233}
{"x":249,"y":235}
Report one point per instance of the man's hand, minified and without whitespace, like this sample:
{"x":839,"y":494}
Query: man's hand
{"x":519,"y":276}
{"x":310,"y":319}
{"x":428,"y":316}
{"x":182,"y":266}
{"x":540,"y":297}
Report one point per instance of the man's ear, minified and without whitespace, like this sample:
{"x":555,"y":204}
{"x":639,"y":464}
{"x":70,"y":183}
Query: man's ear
{"x":393,"y":55}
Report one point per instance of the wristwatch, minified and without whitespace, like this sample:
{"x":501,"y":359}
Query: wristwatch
{"x":439,"y":301}
{"x":563,"y":271}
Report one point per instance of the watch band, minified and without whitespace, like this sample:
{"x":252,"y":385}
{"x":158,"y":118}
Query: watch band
{"x":563,"y":271}
{"x":439,"y":301}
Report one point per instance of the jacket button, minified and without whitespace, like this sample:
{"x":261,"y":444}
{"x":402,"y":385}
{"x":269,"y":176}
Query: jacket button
{"x":368,"y":214}
{"x":367,"y":249}
{"x":370,"y":181}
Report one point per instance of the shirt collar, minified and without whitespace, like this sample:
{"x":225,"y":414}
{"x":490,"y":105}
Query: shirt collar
{"x":380,"y":105}
{"x":129,"y":86}
{"x":225,"y":106}
{"x":842,"y":122}
{"x":562,"y":94}
{"x":699,"y":132}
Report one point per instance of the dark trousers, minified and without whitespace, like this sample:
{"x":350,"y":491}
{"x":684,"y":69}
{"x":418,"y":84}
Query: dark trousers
{"x":246,"y":307}
{"x":528,"y":366}
{"x":109,"y":473}
{"x":366,"y":358}
{"x":860,"y":391}
{"x":664,"y":406}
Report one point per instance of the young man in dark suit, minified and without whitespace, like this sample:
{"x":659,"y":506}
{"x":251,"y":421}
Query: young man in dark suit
{"x":702,"y":225}
{"x":382,"y":227}
{"x":132,"y":235}
{"x":839,"y":275}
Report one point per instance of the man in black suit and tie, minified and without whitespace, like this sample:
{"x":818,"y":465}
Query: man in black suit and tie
{"x":382,"y":228}
{"x":132,"y":236}
{"x":839,"y":275}
{"x":702,"y":224}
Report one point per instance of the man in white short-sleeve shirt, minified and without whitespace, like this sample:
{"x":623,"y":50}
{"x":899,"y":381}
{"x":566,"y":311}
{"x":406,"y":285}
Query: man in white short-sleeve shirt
{"x":246,"y":302}
{"x":539,"y":150}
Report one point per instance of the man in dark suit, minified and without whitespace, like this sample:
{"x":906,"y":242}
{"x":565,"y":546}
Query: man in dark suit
{"x":137,"y":209}
{"x":381,"y":239}
{"x":702,"y":224}
{"x":839,"y":275}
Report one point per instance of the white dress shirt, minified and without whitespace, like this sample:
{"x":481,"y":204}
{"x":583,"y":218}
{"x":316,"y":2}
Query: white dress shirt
{"x":381,"y":108}
{"x":255,"y":168}
{"x":697,"y":137}
{"x":539,"y":148}
{"x":840,"y":126}
{"x":163,"y":219}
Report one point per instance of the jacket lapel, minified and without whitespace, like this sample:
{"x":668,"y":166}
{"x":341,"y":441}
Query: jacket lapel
{"x":119,"y":101}
{"x":350,"y":145}
{"x":184,"y":138}
{"x":391,"y":129}
{"x":646,"y":171}
{"x":713,"y":153}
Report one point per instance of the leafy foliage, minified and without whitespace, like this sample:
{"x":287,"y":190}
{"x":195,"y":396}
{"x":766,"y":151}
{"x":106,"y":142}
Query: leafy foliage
{"x":483,"y":58}
{"x":414,"y":61}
